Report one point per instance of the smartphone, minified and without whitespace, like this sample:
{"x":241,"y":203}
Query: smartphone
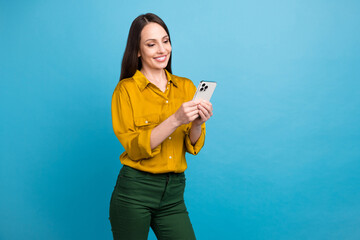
{"x":205,"y":90}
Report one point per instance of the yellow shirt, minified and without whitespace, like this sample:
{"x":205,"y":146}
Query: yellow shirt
{"x":137,"y":107}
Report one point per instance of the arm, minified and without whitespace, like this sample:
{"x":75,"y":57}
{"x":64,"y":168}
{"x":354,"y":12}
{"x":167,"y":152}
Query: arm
{"x":184,"y":115}
{"x":147,"y":143}
{"x":135,"y":142}
{"x":195,"y":138}
{"x":205,"y":112}
{"x":195,"y":132}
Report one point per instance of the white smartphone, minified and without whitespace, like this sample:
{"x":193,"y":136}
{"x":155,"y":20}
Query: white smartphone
{"x":205,"y":90}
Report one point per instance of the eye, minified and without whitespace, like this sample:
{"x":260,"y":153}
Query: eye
{"x":166,"y":41}
{"x":151,"y":45}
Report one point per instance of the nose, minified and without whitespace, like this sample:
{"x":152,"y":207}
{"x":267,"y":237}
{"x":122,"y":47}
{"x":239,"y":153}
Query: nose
{"x":161,"y":48}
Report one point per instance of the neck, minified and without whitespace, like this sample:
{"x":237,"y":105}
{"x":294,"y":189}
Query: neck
{"x":154,"y":75}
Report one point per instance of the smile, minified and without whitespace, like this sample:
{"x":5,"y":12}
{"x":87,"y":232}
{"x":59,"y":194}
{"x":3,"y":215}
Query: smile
{"x":160,"y":59}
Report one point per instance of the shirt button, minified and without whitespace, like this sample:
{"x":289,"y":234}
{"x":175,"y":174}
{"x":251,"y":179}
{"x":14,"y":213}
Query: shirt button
{"x":170,"y":157}
{"x":167,"y":101}
{"x":170,"y":138}
{"x":168,"y":83}
{"x":146,"y":121}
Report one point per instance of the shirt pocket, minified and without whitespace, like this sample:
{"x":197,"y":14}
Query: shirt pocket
{"x":147,"y":121}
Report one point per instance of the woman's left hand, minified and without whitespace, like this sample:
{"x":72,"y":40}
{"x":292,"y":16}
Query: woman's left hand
{"x":205,"y":112}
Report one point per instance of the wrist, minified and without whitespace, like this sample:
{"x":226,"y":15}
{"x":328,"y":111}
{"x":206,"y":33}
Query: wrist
{"x":196,"y":124}
{"x":174,"y":121}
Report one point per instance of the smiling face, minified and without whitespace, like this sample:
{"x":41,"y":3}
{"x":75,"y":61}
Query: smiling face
{"x":155,"y":47}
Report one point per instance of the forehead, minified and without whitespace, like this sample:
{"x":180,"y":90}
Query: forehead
{"x":152,"y":31}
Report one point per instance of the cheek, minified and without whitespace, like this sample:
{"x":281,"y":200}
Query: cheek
{"x":145,"y":54}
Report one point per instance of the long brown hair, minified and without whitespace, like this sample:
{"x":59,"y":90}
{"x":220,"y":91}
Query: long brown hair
{"x":131,"y":62}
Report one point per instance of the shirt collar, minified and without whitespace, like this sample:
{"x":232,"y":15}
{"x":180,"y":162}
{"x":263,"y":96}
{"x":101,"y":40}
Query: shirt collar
{"x":171,"y":78}
{"x":142,"y":82}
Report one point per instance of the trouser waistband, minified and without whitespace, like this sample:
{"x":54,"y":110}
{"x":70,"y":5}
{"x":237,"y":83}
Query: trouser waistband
{"x":132,"y":171}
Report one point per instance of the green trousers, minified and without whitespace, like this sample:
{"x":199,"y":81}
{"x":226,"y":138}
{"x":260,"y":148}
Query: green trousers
{"x":141,"y":200}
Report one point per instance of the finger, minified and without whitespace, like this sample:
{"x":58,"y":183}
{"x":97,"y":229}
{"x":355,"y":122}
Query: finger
{"x":192,"y":113}
{"x":207,"y":105}
{"x":190,"y":103}
{"x":205,"y":111}
{"x":209,"y":109}
{"x":193,"y":117}
{"x":190,"y":109}
{"x":202,"y":116}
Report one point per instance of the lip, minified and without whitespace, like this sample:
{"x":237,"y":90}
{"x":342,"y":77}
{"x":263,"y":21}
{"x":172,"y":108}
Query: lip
{"x":161,"y":58}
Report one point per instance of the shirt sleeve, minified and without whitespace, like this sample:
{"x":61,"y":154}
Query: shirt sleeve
{"x":195,"y":149}
{"x":135,"y":142}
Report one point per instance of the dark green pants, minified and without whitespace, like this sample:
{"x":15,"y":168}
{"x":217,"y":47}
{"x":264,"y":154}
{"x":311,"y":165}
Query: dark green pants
{"x":141,"y":200}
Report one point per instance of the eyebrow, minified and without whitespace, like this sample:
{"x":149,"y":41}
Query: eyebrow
{"x":155,"y":39}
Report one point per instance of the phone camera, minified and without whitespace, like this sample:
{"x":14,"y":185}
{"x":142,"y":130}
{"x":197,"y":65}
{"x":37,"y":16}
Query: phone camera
{"x":203,"y":87}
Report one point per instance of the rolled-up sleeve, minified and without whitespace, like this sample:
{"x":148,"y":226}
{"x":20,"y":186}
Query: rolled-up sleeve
{"x":135,"y":142}
{"x":195,"y":149}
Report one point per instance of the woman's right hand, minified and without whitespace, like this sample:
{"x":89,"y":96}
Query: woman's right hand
{"x":186,"y":113}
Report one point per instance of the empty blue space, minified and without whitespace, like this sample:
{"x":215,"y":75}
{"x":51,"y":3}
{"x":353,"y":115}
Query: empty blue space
{"x":282,"y":152}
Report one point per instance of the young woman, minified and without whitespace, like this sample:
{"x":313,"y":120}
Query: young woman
{"x":156,"y":122}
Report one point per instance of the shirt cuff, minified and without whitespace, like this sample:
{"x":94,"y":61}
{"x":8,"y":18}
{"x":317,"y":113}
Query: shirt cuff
{"x":195,"y":149}
{"x":144,"y":145}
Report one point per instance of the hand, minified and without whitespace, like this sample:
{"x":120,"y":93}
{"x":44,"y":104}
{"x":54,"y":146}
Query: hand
{"x":205,"y":112}
{"x":187,"y":113}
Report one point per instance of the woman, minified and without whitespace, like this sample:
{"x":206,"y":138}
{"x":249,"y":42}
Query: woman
{"x":156,"y":122}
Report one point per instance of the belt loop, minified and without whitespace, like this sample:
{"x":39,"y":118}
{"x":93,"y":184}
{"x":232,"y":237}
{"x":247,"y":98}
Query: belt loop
{"x":167,"y":177}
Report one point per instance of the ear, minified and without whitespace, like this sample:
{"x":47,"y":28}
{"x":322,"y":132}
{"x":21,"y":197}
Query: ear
{"x":139,"y":54}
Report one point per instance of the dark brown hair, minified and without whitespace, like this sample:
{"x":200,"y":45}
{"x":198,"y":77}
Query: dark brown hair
{"x":131,"y":62}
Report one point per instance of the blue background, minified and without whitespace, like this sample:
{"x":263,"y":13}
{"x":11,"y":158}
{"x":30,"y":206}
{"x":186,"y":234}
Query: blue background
{"x":282,"y":154}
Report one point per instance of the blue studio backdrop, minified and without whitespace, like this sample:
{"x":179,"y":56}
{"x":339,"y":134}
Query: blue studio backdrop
{"x":282,"y":153}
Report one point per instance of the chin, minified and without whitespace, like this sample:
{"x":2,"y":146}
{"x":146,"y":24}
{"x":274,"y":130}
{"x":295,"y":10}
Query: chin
{"x":161,"y":66}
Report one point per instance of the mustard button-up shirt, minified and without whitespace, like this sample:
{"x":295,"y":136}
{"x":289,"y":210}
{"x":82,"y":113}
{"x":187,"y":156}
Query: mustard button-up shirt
{"x":137,"y":107}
